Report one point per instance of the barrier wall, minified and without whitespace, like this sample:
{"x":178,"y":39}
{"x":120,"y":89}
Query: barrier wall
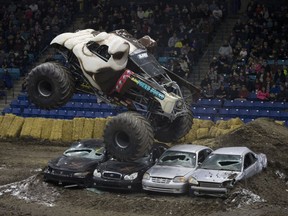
{"x":12,"y":126}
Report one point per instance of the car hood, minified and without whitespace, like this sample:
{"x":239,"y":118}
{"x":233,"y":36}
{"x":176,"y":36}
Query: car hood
{"x":217,"y":176}
{"x":169,"y":171}
{"x":73,"y":163}
{"x":123,"y":167}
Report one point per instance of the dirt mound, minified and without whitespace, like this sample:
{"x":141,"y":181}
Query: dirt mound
{"x":262,"y":136}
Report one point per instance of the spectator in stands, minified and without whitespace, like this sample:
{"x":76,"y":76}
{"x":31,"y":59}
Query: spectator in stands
{"x":274,"y":91}
{"x":233,"y":92}
{"x":208,"y":92}
{"x":279,"y":77}
{"x":214,"y":63}
{"x":173,"y":40}
{"x":184,"y":66}
{"x":283,"y":94}
{"x":7,"y":78}
{"x":221,"y":92}
{"x":225,"y":51}
{"x":243,"y":93}
{"x":263,"y":94}
{"x":205,"y":82}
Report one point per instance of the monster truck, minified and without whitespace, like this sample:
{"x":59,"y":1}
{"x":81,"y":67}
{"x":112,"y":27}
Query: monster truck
{"x":119,"y":70}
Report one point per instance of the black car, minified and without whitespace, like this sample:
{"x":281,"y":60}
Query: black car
{"x":75,"y":167}
{"x":123,"y":175}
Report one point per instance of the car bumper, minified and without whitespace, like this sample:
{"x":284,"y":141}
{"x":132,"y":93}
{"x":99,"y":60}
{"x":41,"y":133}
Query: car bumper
{"x":176,"y":188}
{"x":117,"y":184}
{"x":67,"y":180}
{"x":218,"y":192}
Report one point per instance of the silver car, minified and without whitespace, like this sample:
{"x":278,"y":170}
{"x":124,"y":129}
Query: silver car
{"x":223,"y":168}
{"x":173,"y":169}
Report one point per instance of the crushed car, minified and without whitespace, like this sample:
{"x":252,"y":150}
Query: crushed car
{"x":126,"y":175}
{"x":223,"y":168}
{"x":171,"y":172}
{"x":74,"y":168}
{"x":120,"y":70}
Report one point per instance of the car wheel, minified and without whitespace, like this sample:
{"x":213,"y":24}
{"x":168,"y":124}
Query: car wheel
{"x":128,"y":136}
{"x":175,"y":130}
{"x":49,"y":85}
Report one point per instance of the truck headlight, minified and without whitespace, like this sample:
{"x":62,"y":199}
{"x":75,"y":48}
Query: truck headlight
{"x":146,"y":176}
{"x":228,"y":184}
{"x":193,"y":181}
{"x":81,"y":174}
{"x":179,"y":179}
{"x":131,"y":177}
{"x":97,"y":173}
{"x":179,"y":104}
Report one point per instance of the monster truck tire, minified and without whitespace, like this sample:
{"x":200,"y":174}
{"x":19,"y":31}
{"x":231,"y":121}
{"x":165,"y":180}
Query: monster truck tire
{"x":128,"y":136}
{"x":50,"y":85}
{"x":173,"y":131}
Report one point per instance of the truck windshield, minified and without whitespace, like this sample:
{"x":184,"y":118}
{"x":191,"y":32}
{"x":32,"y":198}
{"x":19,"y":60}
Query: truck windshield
{"x":146,"y":62}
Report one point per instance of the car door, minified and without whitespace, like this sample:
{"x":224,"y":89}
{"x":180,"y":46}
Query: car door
{"x":250,"y":165}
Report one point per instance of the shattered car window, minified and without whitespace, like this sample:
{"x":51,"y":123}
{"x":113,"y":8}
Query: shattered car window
{"x":223,"y":162}
{"x":98,"y":153}
{"x":175,"y":158}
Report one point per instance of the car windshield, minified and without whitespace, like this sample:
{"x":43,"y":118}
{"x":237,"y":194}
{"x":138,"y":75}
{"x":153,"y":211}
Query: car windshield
{"x":222,"y":162}
{"x":97,"y":153}
{"x":178,"y":158}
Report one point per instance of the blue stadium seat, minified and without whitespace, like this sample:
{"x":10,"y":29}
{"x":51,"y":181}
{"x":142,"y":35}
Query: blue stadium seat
{"x":208,"y":111}
{"x":71,"y":114}
{"x":53,"y":113}
{"x":89,"y":114}
{"x":63,"y":114}
{"x":207,"y":102}
{"x":88,"y":106}
{"x":220,"y":118}
{"x":88,"y":98}
{"x":23,"y":96}
{"x":274,"y":114}
{"x":44,"y":113}
{"x":223,"y":112}
{"x":36,"y":112}
{"x":16,"y":111}
{"x":27,"y":112}
{"x":15,"y":103}
{"x":7,"y":110}
{"x":244,"y":113}
{"x":80,"y":114}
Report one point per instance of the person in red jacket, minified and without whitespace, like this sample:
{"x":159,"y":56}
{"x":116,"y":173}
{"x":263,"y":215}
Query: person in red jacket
{"x":262,"y":94}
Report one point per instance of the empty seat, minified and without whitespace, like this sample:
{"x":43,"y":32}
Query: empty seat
{"x":44,"y":113}
{"x":16,"y":111}
{"x":204,"y":111}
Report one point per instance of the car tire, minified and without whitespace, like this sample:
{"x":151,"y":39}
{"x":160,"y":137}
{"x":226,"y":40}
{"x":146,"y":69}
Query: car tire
{"x":50,"y":85}
{"x":128,"y":136}
{"x":175,"y":130}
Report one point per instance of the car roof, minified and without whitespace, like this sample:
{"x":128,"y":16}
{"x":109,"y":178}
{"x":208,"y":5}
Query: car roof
{"x":188,"y":148}
{"x":241,"y":150}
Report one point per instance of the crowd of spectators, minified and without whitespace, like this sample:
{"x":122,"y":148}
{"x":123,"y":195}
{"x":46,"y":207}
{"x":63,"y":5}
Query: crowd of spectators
{"x":253,"y":61}
{"x":26,"y":28}
{"x":181,"y":29}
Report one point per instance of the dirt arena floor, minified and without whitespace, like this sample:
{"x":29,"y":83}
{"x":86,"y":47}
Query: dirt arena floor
{"x":23,"y":191}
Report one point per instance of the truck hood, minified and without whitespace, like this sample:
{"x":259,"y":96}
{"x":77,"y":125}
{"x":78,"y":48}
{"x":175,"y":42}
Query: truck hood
{"x":217,"y":176}
{"x":169,"y":171}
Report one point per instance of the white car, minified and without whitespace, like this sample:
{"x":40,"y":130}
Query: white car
{"x":171,"y":173}
{"x":223,"y":168}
